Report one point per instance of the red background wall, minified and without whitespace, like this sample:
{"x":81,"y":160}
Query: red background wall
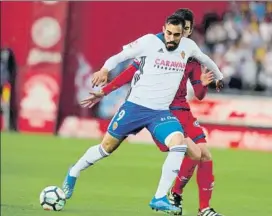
{"x":105,"y":26}
{"x":15,"y":25}
{"x":109,"y":25}
{"x":95,"y":29}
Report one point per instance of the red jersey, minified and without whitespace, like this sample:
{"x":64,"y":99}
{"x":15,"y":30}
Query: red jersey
{"x":192,"y":72}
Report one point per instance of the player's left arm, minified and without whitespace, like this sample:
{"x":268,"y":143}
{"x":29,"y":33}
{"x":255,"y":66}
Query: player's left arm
{"x":200,"y":90}
{"x":206,"y":60}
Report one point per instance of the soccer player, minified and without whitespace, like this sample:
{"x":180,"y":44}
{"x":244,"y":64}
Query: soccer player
{"x":181,"y":109}
{"x":163,"y":61}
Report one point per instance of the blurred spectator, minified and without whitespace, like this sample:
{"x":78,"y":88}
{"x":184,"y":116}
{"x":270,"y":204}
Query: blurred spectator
{"x":8,"y":77}
{"x":241,"y":44}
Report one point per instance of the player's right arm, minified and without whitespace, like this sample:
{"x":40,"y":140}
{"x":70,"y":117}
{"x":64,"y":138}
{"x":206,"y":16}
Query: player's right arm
{"x":123,"y":78}
{"x":133,"y":50}
{"x":200,"y":90}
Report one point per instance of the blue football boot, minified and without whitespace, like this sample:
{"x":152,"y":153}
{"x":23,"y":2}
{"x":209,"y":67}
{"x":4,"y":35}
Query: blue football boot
{"x":69,"y":185}
{"x":163,"y":204}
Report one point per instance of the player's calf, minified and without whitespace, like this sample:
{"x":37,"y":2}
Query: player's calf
{"x":184,"y":175}
{"x":91,"y":156}
{"x":205,"y":179}
{"x":172,"y":163}
{"x":95,"y":153}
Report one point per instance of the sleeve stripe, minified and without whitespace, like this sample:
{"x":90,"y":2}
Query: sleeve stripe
{"x":196,"y":82}
{"x":135,"y":64}
{"x":199,"y":137}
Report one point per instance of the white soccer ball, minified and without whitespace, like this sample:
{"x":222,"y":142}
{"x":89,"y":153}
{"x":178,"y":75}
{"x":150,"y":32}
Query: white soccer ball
{"x":52,"y":198}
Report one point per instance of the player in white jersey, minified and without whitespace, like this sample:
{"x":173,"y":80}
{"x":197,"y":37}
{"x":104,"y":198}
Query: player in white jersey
{"x":162,"y":67}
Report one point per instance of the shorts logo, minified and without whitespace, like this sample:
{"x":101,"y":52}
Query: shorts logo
{"x":196,"y":124}
{"x":168,"y":118}
{"x":114,"y":125}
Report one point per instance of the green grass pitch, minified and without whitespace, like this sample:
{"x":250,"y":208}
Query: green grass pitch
{"x":123,"y":184}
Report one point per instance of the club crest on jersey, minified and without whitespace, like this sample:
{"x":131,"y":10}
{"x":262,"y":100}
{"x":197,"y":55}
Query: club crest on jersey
{"x":182,"y":54}
{"x":114,"y":126}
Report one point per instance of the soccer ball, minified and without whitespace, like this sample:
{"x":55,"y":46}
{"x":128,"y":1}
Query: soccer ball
{"x":52,"y":198}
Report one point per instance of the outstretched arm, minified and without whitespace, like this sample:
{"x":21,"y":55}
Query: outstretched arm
{"x":124,"y":77}
{"x":205,"y":60}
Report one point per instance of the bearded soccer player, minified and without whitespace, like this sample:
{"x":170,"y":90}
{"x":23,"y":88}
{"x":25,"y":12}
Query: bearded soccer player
{"x":181,"y":109}
{"x":148,"y":104}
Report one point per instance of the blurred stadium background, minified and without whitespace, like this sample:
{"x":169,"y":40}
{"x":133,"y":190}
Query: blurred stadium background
{"x":50,"y":49}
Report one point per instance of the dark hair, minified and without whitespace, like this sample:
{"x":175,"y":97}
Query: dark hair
{"x":185,"y":14}
{"x":175,"y":20}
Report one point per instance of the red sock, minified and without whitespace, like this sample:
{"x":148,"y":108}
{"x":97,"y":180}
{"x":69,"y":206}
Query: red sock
{"x":205,"y":181}
{"x":186,"y":172}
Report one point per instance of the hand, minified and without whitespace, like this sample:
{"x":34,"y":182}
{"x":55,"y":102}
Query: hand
{"x":206,"y":77}
{"x":93,"y":99}
{"x":219,"y":85}
{"x":100,"y":78}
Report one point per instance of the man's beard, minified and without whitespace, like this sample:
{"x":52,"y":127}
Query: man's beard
{"x":173,"y":47}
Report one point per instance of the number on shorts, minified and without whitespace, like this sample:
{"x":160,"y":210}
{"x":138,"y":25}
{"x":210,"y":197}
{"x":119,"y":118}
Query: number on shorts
{"x":121,"y":115}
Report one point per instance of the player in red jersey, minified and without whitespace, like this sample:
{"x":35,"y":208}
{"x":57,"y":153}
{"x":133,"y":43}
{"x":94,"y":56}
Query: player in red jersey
{"x":181,"y":109}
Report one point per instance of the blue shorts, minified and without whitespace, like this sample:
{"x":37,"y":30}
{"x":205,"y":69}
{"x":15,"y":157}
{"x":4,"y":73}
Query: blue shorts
{"x":131,"y":118}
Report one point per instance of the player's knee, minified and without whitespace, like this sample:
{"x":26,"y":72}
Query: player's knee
{"x":110,"y":143}
{"x":206,"y":155}
{"x":194,"y":152}
{"x":195,"y":157}
{"x":174,"y":139}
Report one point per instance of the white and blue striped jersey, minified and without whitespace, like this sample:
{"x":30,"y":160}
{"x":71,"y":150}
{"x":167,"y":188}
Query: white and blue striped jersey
{"x":160,"y":71}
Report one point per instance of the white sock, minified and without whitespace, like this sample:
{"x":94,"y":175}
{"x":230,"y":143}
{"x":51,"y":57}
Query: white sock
{"x":92,"y":155}
{"x":170,"y":169}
